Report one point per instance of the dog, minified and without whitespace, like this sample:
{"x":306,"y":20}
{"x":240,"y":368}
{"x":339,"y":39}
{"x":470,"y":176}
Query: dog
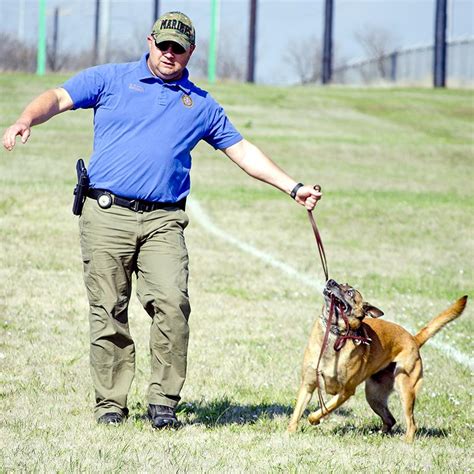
{"x":381,"y":353}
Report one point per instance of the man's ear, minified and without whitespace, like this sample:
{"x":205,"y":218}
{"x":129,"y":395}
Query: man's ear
{"x":372,"y":310}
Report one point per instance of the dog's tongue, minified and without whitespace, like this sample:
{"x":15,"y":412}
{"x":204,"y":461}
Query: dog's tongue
{"x":332,"y":305}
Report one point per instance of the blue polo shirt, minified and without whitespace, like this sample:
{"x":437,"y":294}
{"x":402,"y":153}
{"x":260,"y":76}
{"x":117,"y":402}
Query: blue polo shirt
{"x":145,"y":129}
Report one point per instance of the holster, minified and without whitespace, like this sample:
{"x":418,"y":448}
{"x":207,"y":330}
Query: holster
{"x":82,"y":186}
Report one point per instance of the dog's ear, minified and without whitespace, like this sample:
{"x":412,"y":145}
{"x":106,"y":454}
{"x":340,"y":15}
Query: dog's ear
{"x":372,"y":310}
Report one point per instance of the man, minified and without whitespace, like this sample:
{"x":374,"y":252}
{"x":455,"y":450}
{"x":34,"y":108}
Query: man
{"x":148,"y":117}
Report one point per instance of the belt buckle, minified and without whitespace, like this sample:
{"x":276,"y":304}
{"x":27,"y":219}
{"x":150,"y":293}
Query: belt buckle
{"x":135,"y":205}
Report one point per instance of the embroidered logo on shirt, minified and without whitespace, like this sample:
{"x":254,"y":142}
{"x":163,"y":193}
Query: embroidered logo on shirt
{"x":136,"y":87}
{"x":187,"y":101}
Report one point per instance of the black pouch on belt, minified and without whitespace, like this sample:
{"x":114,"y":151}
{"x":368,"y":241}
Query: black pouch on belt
{"x":82,"y":186}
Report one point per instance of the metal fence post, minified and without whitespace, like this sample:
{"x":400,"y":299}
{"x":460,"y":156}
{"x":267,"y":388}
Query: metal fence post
{"x":96,"y":32}
{"x":252,"y":41}
{"x":156,"y":10}
{"x":393,"y":66}
{"x":439,"y":72}
{"x":327,"y":43}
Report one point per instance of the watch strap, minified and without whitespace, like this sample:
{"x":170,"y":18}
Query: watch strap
{"x":295,"y":190}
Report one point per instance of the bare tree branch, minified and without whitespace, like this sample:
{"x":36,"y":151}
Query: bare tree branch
{"x":15,"y":55}
{"x":377,"y":44}
{"x":306,"y":58}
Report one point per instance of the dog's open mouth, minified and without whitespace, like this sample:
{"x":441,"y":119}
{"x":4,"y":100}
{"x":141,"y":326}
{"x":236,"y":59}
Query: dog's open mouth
{"x":332,"y":295}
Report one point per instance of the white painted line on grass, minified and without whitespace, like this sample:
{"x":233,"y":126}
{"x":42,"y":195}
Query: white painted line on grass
{"x":203,"y":219}
{"x":450,"y":351}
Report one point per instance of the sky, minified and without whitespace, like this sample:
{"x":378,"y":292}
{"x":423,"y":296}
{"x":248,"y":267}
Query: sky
{"x":284,"y":28}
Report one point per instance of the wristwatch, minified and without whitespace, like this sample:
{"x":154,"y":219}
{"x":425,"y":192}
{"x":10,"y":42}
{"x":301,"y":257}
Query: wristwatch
{"x":295,"y":190}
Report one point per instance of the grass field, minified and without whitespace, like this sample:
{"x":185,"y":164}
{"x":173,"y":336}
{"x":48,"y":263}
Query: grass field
{"x":396,"y":167}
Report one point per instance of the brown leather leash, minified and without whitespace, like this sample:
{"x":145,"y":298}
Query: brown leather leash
{"x":317,"y":236}
{"x":338,"y":345}
{"x":324,"y":264}
{"x":322,"y":404}
{"x":342,"y":338}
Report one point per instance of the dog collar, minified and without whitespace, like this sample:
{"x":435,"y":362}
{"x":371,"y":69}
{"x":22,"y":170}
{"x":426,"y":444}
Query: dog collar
{"x":358,"y":336}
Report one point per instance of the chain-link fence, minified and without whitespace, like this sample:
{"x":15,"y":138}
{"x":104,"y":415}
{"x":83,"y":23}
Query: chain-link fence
{"x":411,"y":66}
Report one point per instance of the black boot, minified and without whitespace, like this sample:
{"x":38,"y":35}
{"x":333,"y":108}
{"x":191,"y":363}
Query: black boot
{"x":112,"y":418}
{"x":162,"y":416}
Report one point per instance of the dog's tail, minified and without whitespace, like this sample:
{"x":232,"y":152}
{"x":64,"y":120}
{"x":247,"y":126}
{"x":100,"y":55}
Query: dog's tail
{"x":440,"y":321}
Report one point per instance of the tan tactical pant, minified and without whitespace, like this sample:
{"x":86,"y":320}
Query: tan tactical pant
{"x":115,"y":243}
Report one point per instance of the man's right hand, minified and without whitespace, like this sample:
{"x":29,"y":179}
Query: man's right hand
{"x":18,"y":128}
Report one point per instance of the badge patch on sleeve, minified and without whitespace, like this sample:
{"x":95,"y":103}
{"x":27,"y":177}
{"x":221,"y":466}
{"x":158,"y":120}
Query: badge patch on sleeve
{"x":187,"y":101}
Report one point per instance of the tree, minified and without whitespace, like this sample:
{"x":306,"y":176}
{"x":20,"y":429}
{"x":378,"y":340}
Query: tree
{"x":15,"y":55}
{"x":378,"y":43}
{"x":307,"y":66}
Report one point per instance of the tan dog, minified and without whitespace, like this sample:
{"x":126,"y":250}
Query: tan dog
{"x":381,"y":353}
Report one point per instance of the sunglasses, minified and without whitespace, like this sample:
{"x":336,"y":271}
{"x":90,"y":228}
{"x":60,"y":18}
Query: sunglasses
{"x":165,"y":45}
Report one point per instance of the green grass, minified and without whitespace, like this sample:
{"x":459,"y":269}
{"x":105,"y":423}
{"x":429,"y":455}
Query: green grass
{"x":396,"y":167}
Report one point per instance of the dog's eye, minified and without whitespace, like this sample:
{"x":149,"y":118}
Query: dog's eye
{"x":350,"y":293}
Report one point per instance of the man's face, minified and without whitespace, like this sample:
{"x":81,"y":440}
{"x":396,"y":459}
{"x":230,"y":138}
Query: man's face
{"x":168,"y":60}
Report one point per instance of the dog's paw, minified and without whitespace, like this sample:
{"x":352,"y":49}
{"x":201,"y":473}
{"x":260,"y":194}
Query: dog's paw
{"x":292,"y":428}
{"x":314,"y":419}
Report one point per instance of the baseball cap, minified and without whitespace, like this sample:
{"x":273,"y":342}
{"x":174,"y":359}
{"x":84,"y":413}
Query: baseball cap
{"x":174,"y":26}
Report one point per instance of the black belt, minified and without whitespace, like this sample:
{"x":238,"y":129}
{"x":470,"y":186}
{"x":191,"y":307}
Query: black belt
{"x":105,"y":199}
